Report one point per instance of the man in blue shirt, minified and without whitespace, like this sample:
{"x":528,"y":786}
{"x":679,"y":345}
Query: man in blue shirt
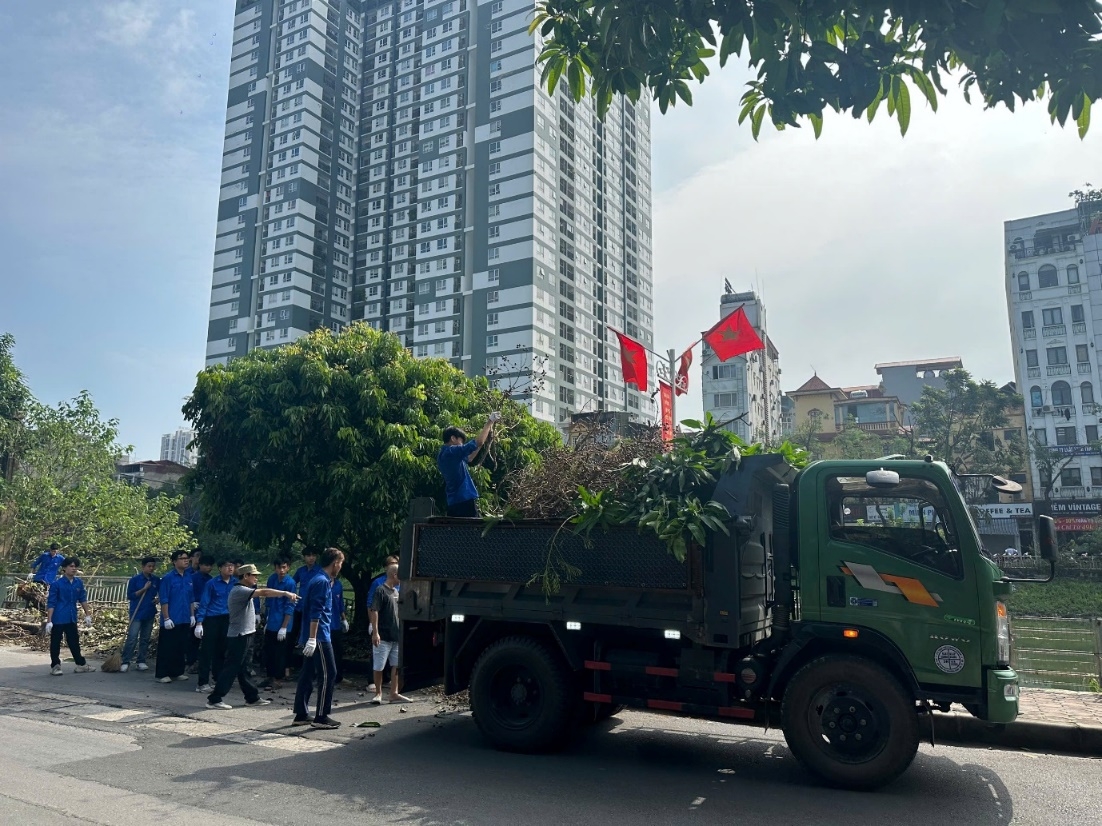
{"x":277,"y":626}
{"x":66,"y":592}
{"x":302,"y":577}
{"x":212,"y":622}
{"x":177,"y":620}
{"x":338,"y":628}
{"x":452,"y":461}
{"x":142,"y":593}
{"x":198,"y":573}
{"x":47,"y":565}
{"x":317,"y":646}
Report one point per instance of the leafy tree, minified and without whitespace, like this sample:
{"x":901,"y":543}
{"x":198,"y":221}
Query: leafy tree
{"x":855,"y":443}
{"x":64,"y":490}
{"x":14,"y":396}
{"x":1049,"y":464}
{"x":326,"y":441}
{"x":812,"y":56}
{"x":958,"y":424}
{"x":806,"y":436}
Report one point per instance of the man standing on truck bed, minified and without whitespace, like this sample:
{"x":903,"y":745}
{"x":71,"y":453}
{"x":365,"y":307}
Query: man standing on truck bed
{"x":462,"y":495}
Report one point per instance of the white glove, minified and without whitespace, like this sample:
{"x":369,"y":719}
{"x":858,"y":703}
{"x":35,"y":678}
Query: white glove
{"x":169,"y":625}
{"x":344,"y":626}
{"x":88,"y":620}
{"x":30,"y":575}
{"x":495,"y":417}
{"x":49,"y":627}
{"x":193,"y":622}
{"x":199,"y":631}
{"x":281,"y":634}
{"x":308,"y":649}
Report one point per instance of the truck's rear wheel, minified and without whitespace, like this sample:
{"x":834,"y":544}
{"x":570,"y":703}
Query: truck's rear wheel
{"x":850,"y":721}
{"x":519,"y":696}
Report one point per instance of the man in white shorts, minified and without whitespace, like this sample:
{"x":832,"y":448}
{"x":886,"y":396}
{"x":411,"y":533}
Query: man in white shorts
{"x":385,"y":635}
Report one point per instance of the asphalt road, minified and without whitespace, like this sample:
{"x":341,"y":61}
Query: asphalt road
{"x":121,"y":749}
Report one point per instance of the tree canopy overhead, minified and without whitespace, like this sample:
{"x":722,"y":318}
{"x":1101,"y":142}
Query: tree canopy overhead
{"x":811,"y":56}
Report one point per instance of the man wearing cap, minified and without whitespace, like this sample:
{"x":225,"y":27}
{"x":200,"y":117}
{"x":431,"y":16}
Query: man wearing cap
{"x":46,"y":567}
{"x":242,"y":628}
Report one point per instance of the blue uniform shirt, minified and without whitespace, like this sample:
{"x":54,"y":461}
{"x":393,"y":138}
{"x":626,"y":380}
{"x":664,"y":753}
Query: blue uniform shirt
{"x":214,"y":603}
{"x":46,"y":567}
{"x":63,"y":598}
{"x":303,"y":576}
{"x":175,"y":593}
{"x":279,"y":607}
{"x":452,"y":462}
{"x":145,"y":606}
{"x":317,"y":605}
{"x":198,"y":580}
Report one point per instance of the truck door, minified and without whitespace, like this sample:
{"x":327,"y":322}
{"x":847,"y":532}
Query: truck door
{"x":891,"y":559}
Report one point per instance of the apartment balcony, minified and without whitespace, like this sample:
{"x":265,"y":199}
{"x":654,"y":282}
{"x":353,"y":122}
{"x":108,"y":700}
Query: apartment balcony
{"x":1054,"y":330}
{"x":1059,"y":369}
{"x":1029,"y":333}
{"x":1092,"y":409}
{"x":1020,"y":253}
{"x":1033,"y":372}
{"x":873,"y":427}
{"x":1075,"y":289}
{"x":1025,"y":295}
{"x":1084,"y":368}
{"x":1079,"y":327}
{"x":1070,"y":492}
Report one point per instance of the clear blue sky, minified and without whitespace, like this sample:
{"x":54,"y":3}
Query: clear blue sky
{"x":869,"y":247}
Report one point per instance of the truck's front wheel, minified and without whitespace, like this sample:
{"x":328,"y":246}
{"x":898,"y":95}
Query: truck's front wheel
{"x":850,"y":721}
{"x":520,"y":697}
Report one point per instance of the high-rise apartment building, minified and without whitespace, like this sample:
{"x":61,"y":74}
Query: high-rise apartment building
{"x":174,"y":447}
{"x":744,"y":391}
{"x":397,"y":161}
{"x":1054,"y":299}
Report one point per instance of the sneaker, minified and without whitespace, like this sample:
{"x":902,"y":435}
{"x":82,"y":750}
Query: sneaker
{"x":143,"y":667}
{"x":182,"y":677}
{"x":400,"y":698}
{"x":301,"y":721}
{"x":223,"y":706}
{"x":205,"y":688}
{"x":164,"y":680}
{"x":55,"y":671}
{"x":325,"y":723}
{"x":377,"y":699}
{"x":260,"y":701}
{"x":83,"y":669}
{"x":124,"y":668}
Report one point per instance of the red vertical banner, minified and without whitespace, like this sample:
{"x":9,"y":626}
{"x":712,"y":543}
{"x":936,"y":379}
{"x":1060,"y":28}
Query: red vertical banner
{"x":665,"y":394}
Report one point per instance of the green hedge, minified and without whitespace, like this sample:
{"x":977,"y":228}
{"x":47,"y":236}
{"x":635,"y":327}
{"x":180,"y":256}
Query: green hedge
{"x":1061,"y":598}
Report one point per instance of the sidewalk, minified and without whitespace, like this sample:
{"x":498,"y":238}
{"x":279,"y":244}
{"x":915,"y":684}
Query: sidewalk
{"x":1069,"y":722}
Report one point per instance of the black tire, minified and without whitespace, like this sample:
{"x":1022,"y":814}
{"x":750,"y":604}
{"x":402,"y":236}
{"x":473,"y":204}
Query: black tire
{"x":592,"y":713}
{"x":520,"y":696}
{"x":850,"y":722}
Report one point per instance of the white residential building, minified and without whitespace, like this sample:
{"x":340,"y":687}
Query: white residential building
{"x":1054,"y":297}
{"x":744,"y":391}
{"x":174,"y":447}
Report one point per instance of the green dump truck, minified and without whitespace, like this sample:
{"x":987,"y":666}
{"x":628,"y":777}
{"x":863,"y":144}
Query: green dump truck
{"x":849,"y":602}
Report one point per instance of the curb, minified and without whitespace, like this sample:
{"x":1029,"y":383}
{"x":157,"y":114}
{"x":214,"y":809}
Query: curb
{"x":1068,"y":738}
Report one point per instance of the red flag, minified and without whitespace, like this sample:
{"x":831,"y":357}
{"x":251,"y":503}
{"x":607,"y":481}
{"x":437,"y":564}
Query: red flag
{"x":682,"y":380}
{"x":733,"y":336}
{"x":633,"y":361}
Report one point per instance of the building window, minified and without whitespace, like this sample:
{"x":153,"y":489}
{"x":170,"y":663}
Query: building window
{"x":491,"y":341}
{"x":491,"y":319}
{"x":1052,"y":317}
{"x":1047,"y":276}
{"x":723,"y":400}
{"x":1031,"y":358}
{"x":1057,"y":355}
{"x":1071,"y":477}
{"x":1082,"y":354}
{"x":1027,"y":319}
{"x":1065,"y":436}
{"x":1023,"y":281}
{"x":1061,"y":394}
{"x":493,"y":296}
{"x":1035,"y":396}
{"x":1077,"y":314}
{"x":1040,"y":436}
{"x":1096,"y":476}
{"x":1073,"y":274}
{"x":1086,"y":392}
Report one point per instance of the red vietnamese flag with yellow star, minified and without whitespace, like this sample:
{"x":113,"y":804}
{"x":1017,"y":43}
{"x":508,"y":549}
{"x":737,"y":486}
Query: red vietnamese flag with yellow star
{"x":733,"y":336}
{"x":633,"y":361}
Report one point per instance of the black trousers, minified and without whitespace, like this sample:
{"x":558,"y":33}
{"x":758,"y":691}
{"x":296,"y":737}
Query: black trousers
{"x":466,"y":510}
{"x":275,"y":656}
{"x":172,"y":651}
{"x":338,"y":654}
{"x":322,"y":665}
{"x":212,"y":652}
{"x":72,"y":639}
{"x":235,"y":667}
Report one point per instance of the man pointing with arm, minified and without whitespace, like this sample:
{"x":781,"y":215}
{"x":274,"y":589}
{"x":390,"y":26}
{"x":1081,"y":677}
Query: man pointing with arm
{"x":452,"y":461}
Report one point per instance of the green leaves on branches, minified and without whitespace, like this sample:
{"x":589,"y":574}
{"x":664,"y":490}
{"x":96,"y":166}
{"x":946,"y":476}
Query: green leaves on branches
{"x":848,"y":56}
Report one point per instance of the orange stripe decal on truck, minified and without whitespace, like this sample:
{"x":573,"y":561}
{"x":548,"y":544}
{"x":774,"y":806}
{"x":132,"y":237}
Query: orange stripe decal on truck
{"x":909,"y":588}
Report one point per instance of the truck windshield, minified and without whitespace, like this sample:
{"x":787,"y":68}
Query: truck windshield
{"x":958,"y":483}
{"x":911,"y":520}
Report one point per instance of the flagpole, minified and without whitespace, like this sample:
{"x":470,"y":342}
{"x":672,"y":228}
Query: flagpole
{"x":764,"y":375}
{"x":673,"y":390}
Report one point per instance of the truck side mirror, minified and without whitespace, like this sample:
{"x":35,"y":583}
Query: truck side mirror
{"x":881,"y":478}
{"x":1046,"y":536}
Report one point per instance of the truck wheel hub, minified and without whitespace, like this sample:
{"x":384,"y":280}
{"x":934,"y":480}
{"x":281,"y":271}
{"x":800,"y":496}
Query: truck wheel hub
{"x":849,"y":722}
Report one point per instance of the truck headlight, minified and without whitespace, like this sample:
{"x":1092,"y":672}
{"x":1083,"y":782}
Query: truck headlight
{"x":1002,"y":634}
